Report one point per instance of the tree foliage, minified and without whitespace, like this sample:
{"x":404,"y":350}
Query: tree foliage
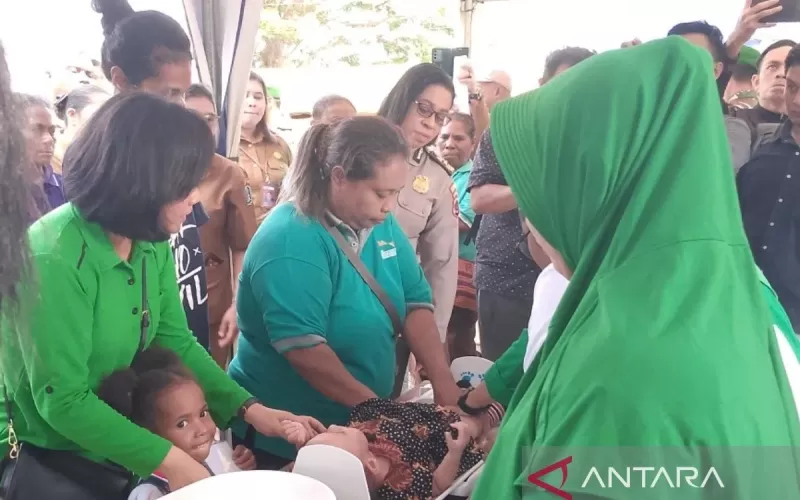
{"x":351,"y":32}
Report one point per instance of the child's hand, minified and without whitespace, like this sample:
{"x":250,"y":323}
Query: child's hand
{"x":295,"y":433}
{"x":458,"y":443}
{"x":244,"y":458}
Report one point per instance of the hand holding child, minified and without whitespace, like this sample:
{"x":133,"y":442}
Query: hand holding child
{"x":244,"y":458}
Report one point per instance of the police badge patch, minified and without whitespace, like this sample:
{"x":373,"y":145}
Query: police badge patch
{"x":248,"y":195}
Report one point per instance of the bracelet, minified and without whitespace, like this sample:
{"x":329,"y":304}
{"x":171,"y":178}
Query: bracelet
{"x":495,"y":412}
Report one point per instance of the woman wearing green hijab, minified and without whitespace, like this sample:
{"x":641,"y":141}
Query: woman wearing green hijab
{"x":662,"y":353}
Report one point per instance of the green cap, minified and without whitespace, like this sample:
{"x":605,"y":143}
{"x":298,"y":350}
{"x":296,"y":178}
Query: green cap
{"x":749,"y":56}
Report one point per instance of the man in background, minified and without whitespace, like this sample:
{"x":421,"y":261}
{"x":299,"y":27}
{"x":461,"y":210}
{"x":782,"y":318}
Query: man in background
{"x":769,"y":83}
{"x":740,"y":93}
{"x":504,"y":273}
{"x":495,"y":87}
{"x":768,"y":188}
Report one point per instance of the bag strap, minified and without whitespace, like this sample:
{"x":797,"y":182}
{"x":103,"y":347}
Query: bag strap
{"x":376,"y":288}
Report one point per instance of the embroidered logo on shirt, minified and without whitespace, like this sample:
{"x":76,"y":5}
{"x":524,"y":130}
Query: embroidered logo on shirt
{"x":386,"y":254}
{"x":382,"y":243}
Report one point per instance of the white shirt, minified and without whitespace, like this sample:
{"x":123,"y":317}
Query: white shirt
{"x":547,"y":293}
{"x":220,"y":461}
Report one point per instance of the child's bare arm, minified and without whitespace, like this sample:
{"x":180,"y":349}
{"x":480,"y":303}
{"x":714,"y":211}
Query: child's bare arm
{"x":446,"y":473}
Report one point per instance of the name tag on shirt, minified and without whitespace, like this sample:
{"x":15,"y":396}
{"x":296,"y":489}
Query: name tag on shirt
{"x":386,"y":254}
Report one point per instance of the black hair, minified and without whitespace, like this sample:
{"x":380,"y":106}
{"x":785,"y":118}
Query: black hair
{"x":77,"y":99}
{"x":25,"y":101}
{"x":134,"y":391}
{"x":137,"y":154}
{"x":15,"y":202}
{"x":139,"y":43}
{"x":263,"y":126}
{"x":742,"y":72}
{"x":358,"y":145}
{"x":793,"y":57}
{"x":196,"y":90}
{"x":467,"y":121}
{"x":322,"y":105}
{"x":568,"y":56}
{"x":408,"y":89}
{"x":718,"y":50}
{"x":776,"y":45}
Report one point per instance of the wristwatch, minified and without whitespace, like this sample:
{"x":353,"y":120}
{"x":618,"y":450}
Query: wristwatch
{"x":463,"y":406}
{"x":477,"y":96}
{"x":246,"y":406}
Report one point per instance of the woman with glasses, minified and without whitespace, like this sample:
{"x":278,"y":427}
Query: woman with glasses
{"x":427,"y":208}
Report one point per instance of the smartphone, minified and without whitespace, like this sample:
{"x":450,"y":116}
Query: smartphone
{"x":789,"y":14}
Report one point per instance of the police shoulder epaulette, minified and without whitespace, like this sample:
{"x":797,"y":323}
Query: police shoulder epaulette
{"x":433,"y":155}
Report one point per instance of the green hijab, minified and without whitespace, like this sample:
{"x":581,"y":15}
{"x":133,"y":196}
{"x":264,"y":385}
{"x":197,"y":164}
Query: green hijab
{"x":663,"y":339}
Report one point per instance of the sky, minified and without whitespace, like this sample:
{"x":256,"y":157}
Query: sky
{"x":513,"y":34}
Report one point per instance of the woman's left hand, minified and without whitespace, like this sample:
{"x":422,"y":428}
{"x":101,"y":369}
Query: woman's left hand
{"x":268,"y":421}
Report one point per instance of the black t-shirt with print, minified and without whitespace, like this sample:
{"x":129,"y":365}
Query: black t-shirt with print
{"x":191,"y":273}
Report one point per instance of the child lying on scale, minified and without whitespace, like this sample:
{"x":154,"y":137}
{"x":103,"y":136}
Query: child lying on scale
{"x":160,"y":394}
{"x":409,"y":450}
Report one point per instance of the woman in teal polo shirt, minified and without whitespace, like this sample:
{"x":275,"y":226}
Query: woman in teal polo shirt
{"x":314,"y":336}
{"x":105,"y":289}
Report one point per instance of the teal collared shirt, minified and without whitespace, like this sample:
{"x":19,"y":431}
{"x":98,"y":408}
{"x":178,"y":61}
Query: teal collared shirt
{"x":83,"y":321}
{"x":298,"y":290}
{"x":465,"y":212}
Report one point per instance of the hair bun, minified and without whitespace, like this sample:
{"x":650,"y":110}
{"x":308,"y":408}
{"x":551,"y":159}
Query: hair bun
{"x":113,"y":11}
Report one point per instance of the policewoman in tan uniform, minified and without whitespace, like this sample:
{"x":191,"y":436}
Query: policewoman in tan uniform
{"x":263,"y":156}
{"x":427,"y":207}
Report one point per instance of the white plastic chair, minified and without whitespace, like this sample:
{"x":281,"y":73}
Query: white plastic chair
{"x":255,"y":485}
{"x":340,"y":470}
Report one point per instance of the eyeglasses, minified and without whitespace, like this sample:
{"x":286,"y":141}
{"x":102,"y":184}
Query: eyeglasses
{"x":425,"y":109}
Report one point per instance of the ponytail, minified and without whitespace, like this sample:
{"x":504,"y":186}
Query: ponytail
{"x":309,"y":178}
{"x":117,"y":390}
{"x":357,"y":145}
{"x":112,"y":12}
{"x":133,"y":392}
{"x":139,"y":42}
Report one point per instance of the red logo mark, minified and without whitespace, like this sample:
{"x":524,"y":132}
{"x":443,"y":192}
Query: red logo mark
{"x":560,"y":465}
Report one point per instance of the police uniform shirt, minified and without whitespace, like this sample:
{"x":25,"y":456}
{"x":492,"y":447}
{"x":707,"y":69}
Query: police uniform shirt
{"x":427,"y":209}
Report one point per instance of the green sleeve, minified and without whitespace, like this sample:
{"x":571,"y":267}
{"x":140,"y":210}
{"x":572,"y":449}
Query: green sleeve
{"x":224,"y":396}
{"x":416,"y":289}
{"x":293,"y":295}
{"x":59,"y":375}
{"x":502,"y":378}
